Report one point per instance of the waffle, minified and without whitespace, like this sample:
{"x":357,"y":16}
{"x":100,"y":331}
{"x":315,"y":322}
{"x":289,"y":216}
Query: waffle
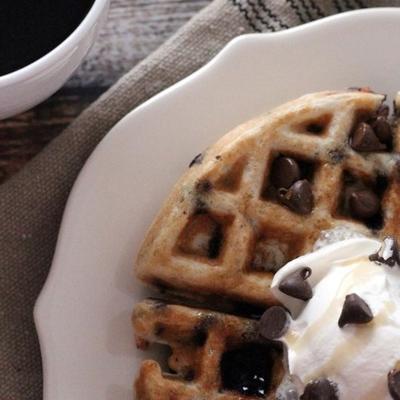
{"x":228,"y":226}
{"x":224,"y":230}
{"x":214,"y":356}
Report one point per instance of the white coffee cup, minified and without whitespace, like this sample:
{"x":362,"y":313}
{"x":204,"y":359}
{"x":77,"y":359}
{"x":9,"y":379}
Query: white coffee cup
{"x":30,"y":85}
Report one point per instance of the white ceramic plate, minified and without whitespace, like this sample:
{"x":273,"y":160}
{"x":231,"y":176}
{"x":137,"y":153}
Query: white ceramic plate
{"x":83,"y":313}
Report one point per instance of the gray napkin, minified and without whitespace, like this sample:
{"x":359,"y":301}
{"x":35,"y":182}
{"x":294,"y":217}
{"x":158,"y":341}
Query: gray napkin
{"x":32,"y":202}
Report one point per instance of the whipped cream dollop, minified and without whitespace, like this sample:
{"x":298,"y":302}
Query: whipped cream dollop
{"x":356,"y":357}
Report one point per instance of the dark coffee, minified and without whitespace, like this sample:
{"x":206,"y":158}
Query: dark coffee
{"x":29,"y":29}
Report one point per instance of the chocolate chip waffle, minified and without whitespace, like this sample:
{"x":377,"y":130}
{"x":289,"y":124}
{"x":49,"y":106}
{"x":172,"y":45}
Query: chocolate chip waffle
{"x":255,"y":200}
{"x":264,"y":192}
{"x":214,"y":356}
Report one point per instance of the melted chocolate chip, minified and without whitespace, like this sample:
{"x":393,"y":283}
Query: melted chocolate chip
{"x":200,"y":337}
{"x":355,"y":311}
{"x":215,"y":243}
{"x":364,"y":203}
{"x":320,"y":389}
{"x":388,"y":253}
{"x":247,"y":370}
{"x":361,"y":199}
{"x":189,"y":375}
{"x":299,"y":197}
{"x":364,"y":139}
{"x":197,"y":160}
{"x":284,"y":172}
{"x":274,"y":323}
{"x":394,"y":384}
{"x":296,"y":284}
{"x":315,"y":128}
{"x":382,"y":129}
{"x":381,"y":184}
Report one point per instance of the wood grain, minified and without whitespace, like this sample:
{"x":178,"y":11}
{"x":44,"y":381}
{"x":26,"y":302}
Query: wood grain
{"x":134,"y":29}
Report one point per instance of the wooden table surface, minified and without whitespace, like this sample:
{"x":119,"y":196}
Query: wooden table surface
{"x":134,"y":29}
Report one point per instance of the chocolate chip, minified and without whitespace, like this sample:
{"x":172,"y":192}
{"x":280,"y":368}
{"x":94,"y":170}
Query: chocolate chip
{"x":284,"y":172}
{"x":296,"y":284}
{"x":365,"y":140}
{"x":388,"y":253}
{"x":355,"y":311}
{"x":274,"y":323}
{"x":382,"y":129}
{"x":298,"y":197}
{"x":320,"y":389}
{"x":197,"y":160}
{"x":394,"y":384}
{"x":364,"y":203}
